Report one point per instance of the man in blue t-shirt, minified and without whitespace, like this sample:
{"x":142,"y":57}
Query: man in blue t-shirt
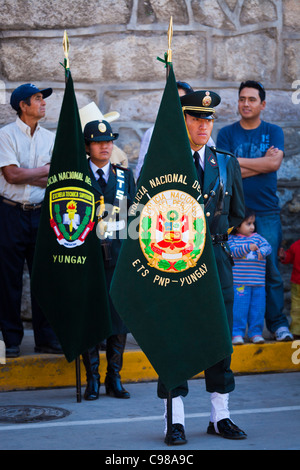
{"x":259,"y":148}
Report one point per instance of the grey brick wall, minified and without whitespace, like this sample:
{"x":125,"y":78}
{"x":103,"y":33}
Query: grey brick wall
{"x":113,"y":49}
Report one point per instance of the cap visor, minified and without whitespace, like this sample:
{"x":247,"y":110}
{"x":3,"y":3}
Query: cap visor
{"x":104,"y":138}
{"x":46,"y":92}
{"x":201,"y":115}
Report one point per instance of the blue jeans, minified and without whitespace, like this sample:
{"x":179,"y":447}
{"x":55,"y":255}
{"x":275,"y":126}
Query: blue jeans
{"x":269,"y":227}
{"x":248,"y":309}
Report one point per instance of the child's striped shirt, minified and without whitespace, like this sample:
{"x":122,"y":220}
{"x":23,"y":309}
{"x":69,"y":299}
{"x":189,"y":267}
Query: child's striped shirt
{"x":248,"y":269}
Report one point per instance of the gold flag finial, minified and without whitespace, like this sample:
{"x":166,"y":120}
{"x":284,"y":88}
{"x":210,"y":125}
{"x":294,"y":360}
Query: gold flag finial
{"x":170,"y":35}
{"x":66,"y":46}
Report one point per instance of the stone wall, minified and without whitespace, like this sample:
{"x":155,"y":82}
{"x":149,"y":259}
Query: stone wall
{"x":114,"y":46}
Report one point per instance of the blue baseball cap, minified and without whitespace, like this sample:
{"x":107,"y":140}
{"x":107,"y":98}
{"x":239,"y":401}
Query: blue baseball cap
{"x":25,"y":91}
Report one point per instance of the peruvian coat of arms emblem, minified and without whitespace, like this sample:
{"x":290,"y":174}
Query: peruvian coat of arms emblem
{"x":172,"y":231}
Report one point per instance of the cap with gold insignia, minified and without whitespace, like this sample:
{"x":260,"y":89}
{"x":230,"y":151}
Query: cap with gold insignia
{"x":99,"y":131}
{"x":200,"y":104}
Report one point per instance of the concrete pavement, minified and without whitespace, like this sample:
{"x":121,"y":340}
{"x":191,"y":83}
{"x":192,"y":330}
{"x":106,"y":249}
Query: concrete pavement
{"x":266,"y":406}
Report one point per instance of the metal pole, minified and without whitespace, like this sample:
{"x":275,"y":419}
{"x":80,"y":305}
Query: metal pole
{"x":78,"y":379}
{"x":168,"y":439}
{"x":66,"y":47}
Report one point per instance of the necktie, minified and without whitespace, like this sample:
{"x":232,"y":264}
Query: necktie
{"x":199,"y":169}
{"x":101,"y":179}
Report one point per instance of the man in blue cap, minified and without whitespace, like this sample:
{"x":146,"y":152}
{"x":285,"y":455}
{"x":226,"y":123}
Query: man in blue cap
{"x":25,"y":154}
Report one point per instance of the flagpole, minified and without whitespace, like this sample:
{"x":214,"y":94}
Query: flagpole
{"x":169,"y":53}
{"x":78,"y":379}
{"x":168,"y":439}
{"x":66,"y":47}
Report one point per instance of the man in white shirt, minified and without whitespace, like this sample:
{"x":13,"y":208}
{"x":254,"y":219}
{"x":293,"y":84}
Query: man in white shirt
{"x":25,"y":154}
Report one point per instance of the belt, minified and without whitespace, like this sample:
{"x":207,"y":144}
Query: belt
{"x":23,"y":206}
{"x":219,"y":238}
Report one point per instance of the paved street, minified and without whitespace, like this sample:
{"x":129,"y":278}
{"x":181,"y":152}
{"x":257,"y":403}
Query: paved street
{"x":266,"y":406}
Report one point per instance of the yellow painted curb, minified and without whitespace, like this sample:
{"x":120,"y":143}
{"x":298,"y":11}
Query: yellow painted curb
{"x":46,"y":370}
{"x":268,"y":357}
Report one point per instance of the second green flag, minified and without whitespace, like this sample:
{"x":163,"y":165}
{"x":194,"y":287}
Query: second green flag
{"x":170,"y":297}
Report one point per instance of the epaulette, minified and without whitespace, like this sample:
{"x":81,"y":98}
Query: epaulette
{"x":225,"y":152}
{"x":117,"y":165}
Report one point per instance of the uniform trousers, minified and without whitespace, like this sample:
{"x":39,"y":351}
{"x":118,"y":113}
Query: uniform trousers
{"x":219,"y":377}
{"x":18,"y":232}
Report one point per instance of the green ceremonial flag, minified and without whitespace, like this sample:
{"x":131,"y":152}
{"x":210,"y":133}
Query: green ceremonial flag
{"x":166,"y":286}
{"x":68,"y":278}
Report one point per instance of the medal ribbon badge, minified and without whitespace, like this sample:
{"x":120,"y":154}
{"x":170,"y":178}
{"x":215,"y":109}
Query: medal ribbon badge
{"x":71,"y":215}
{"x":109,"y":222}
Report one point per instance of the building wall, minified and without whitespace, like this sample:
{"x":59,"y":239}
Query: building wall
{"x":114,"y":45}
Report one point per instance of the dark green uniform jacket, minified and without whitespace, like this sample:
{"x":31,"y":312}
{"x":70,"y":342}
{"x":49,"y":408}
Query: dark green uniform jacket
{"x":124,"y":186}
{"x":224,"y":204}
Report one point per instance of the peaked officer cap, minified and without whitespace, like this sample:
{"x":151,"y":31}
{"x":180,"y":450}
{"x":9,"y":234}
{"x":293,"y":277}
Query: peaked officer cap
{"x":99,"y":131}
{"x":200,"y":104}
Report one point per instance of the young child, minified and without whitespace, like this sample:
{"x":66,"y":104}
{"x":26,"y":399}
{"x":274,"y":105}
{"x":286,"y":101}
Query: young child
{"x":292,"y":255}
{"x":249,"y":252}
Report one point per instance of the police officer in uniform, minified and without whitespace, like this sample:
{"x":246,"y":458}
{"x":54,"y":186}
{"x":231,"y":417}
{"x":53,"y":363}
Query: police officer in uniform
{"x":114,"y":190}
{"x":220,"y":179}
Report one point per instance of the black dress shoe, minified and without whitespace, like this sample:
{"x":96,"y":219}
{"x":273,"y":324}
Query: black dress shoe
{"x":177,"y":437}
{"x":12,"y":351}
{"x":114,"y":388}
{"x":52,"y":348}
{"x":92,"y":390}
{"x":226,"y":429}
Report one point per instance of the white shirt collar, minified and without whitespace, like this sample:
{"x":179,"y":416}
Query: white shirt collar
{"x":24,"y":128}
{"x":105,"y":169}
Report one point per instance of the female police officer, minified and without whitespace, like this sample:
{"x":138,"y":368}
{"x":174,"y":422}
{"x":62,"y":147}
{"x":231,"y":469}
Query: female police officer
{"x":114,"y":190}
